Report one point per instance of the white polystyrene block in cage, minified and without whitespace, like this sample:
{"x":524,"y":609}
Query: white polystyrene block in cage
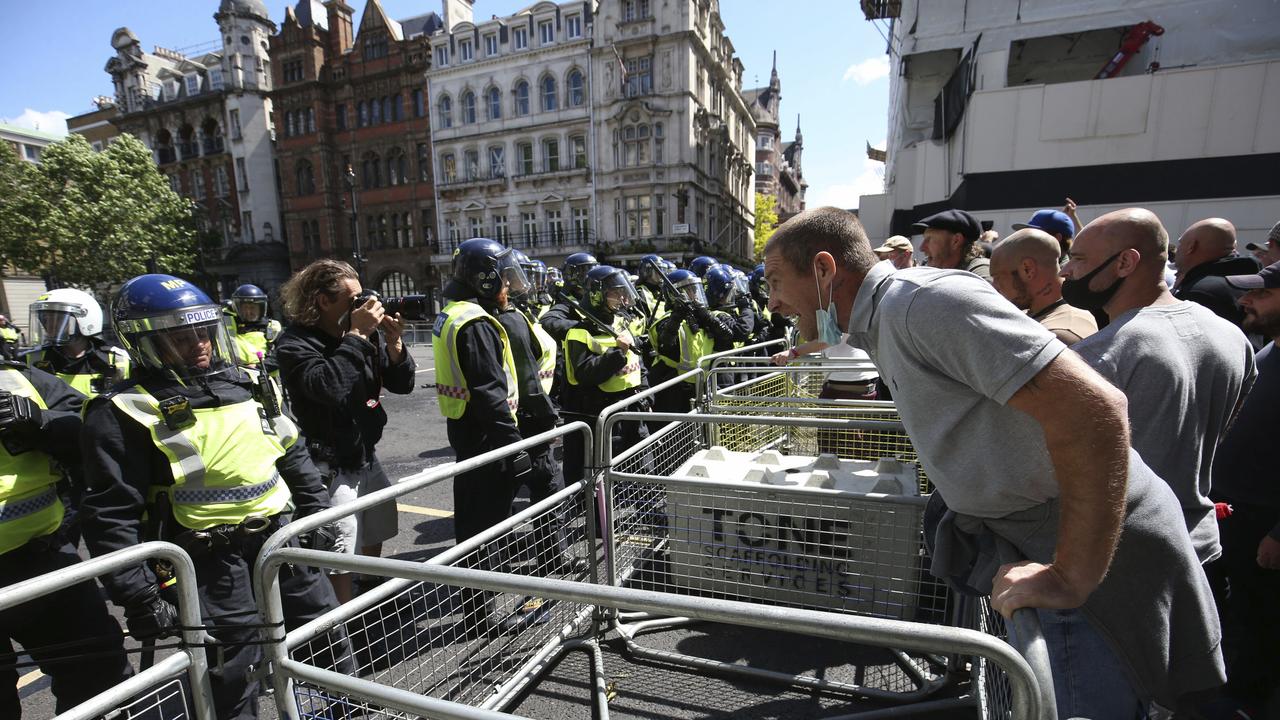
{"x":798,"y":530}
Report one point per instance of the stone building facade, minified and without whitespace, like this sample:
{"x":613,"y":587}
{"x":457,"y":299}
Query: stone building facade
{"x":777,"y":164}
{"x":206,"y":115}
{"x":353,"y":141}
{"x":512,"y":129}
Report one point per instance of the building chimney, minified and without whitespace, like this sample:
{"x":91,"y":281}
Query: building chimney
{"x":340,"y":34}
{"x":456,"y":11}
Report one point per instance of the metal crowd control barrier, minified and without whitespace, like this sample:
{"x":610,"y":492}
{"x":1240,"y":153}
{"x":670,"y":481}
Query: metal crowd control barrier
{"x":158,"y":691}
{"x":840,"y":553}
{"x":435,"y":651}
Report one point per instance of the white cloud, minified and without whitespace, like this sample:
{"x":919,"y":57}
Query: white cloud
{"x":53,"y":122}
{"x":845,"y":195}
{"x":867,"y":71}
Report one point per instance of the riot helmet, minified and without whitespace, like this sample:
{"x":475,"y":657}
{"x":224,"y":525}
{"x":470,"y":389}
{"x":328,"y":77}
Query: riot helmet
{"x":685,"y":287}
{"x":701,"y":264}
{"x":609,"y":291}
{"x":576,"y":267}
{"x":722,"y":289}
{"x":486,"y":267}
{"x":59,"y":316}
{"x":250,"y":305}
{"x":169,"y":325}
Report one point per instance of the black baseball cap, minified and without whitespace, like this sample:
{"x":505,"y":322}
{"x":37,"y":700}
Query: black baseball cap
{"x":1268,"y":278}
{"x":957,"y":221}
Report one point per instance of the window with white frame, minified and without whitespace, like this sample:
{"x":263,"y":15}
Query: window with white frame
{"x":442,"y":56}
{"x":497,"y":161}
{"x":242,"y":177}
{"x":215,"y":79}
{"x":468,"y":108}
{"x":546,"y":32}
{"x":193,"y":84}
{"x":657,"y":142}
{"x":246,"y":226}
{"x":490,"y":45}
{"x":639,"y":76}
{"x":578,"y":146}
{"x":444,"y":109}
{"x":764,"y":141}
{"x":197,"y":184}
{"x":581,"y":224}
{"x":477,"y":227}
{"x":577,"y":86}
{"x":524,"y":156}
{"x":548,"y":92}
{"x":451,"y":228}
{"x":550,"y":155}
{"x":493,"y":101}
{"x":520,"y":38}
{"x":634,"y":10}
{"x":659,"y":215}
{"x":220,"y":184}
{"x":471,"y":162}
{"x":175,"y":183}
{"x":638,"y":223}
{"x":500,"y":232}
{"x":555,"y":226}
{"x":448,"y":168}
{"x":522,"y":98}
{"x":573,"y":26}
{"x":529,"y":228}
{"x":465,"y":51}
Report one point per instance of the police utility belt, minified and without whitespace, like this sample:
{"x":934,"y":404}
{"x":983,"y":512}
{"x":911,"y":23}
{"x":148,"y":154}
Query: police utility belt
{"x":226,"y":537}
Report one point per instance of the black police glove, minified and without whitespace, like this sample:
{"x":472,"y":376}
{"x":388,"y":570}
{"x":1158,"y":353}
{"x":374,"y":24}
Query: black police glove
{"x":323,"y":538}
{"x":18,"y":412}
{"x":744,"y":302}
{"x":149,"y":616}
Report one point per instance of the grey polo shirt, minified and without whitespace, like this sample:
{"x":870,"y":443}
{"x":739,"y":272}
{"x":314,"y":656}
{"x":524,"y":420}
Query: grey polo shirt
{"x":953,"y":352}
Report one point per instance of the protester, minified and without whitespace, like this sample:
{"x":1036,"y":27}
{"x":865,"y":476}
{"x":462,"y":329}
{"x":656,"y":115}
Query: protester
{"x":1057,"y":224}
{"x":339,"y":355}
{"x":1206,"y":255}
{"x":1023,"y":441}
{"x":1244,"y":476}
{"x":1183,"y":369}
{"x":950,"y":241}
{"x":897,"y":250}
{"x":1024,"y":269}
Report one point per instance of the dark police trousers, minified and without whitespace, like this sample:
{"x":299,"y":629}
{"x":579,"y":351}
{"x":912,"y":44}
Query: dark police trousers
{"x":225,"y":583}
{"x":76,"y":615}
{"x":544,"y":480}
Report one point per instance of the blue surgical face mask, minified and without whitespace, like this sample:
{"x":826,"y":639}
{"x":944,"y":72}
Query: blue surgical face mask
{"x":828,"y":331}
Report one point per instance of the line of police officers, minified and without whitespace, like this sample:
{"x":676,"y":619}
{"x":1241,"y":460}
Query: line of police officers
{"x":181,"y":435}
{"x":518,"y":349}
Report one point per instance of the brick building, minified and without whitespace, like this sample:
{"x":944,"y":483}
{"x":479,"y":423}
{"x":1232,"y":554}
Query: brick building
{"x":778,"y":171}
{"x":354,"y":97}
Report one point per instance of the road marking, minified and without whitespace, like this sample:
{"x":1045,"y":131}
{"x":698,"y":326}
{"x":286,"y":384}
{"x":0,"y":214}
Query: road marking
{"x":29,"y":678}
{"x":430,"y":369}
{"x":418,"y":510}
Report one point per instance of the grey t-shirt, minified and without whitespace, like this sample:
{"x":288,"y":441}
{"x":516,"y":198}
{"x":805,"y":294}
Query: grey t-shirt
{"x":953,"y":352}
{"x":1185,"y":371}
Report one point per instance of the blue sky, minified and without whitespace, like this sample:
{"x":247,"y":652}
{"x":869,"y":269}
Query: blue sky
{"x":832,"y":65}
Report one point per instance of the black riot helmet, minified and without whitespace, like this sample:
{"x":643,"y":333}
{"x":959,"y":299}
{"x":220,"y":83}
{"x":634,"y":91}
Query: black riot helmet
{"x":575,"y":268}
{"x":485,"y":267}
{"x":608,"y":291}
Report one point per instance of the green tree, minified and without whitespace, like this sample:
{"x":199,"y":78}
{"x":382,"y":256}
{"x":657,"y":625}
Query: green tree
{"x":98,"y":218}
{"x":19,"y":206}
{"x":766,"y":221}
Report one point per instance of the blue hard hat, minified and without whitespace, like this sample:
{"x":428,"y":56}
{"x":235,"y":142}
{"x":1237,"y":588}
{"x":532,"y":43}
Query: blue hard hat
{"x":701,"y":264}
{"x":486,"y":266}
{"x":722,"y":289}
{"x":168,"y":324}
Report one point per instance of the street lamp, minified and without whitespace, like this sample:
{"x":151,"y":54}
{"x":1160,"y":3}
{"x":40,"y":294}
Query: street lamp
{"x":355,"y":225}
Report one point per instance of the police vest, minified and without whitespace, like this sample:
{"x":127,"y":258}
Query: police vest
{"x":730,"y":317}
{"x":223,"y":459}
{"x":653,"y":301}
{"x":9,"y":334}
{"x":452,"y":391}
{"x":29,"y":504}
{"x":693,"y":345}
{"x":546,"y":354}
{"x":627,"y":377}
{"x":85,"y":382}
{"x":251,"y":345}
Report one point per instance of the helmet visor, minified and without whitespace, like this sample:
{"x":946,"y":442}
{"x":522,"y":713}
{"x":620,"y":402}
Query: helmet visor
{"x":251,"y":311}
{"x":694,"y":293}
{"x":537,"y":275}
{"x":513,"y":277}
{"x":619,"y":294}
{"x":199,"y":348}
{"x":54,"y":323}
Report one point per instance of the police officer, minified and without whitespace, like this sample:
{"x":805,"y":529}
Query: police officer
{"x":543,"y":287}
{"x":680,"y":340}
{"x":601,"y":363}
{"x":701,"y":264}
{"x":39,"y":430}
{"x":66,"y":335}
{"x":562,"y":315}
{"x":770,"y":325}
{"x":195,"y":451}
{"x":728,"y":304}
{"x":10,"y":339}
{"x":337,"y":357}
{"x":256,"y":334}
{"x":650,"y":287}
{"x":478,"y":387}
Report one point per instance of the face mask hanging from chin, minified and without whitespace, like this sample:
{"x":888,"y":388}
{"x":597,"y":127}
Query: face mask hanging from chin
{"x":828,"y":330}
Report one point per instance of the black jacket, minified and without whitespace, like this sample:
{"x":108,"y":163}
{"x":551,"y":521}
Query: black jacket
{"x":122,"y":463}
{"x":59,"y":431}
{"x":1206,"y":284}
{"x":331,"y":384}
{"x":591,"y":369}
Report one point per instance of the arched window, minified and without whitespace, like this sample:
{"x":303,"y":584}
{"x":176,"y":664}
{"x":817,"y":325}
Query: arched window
{"x":549,"y":94}
{"x":397,"y":283}
{"x":468,"y":108}
{"x":445,"y":111}
{"x":371,"y":170}
{"x":493,"y":98}
{"x":388,"y":113}
{"x":577,"y":94}
{"x":305,"y":176}
{"x":396,"y":167}
{"x":522,"y":98}
{"x":362,"y":114}
{"x":375,"y":112}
